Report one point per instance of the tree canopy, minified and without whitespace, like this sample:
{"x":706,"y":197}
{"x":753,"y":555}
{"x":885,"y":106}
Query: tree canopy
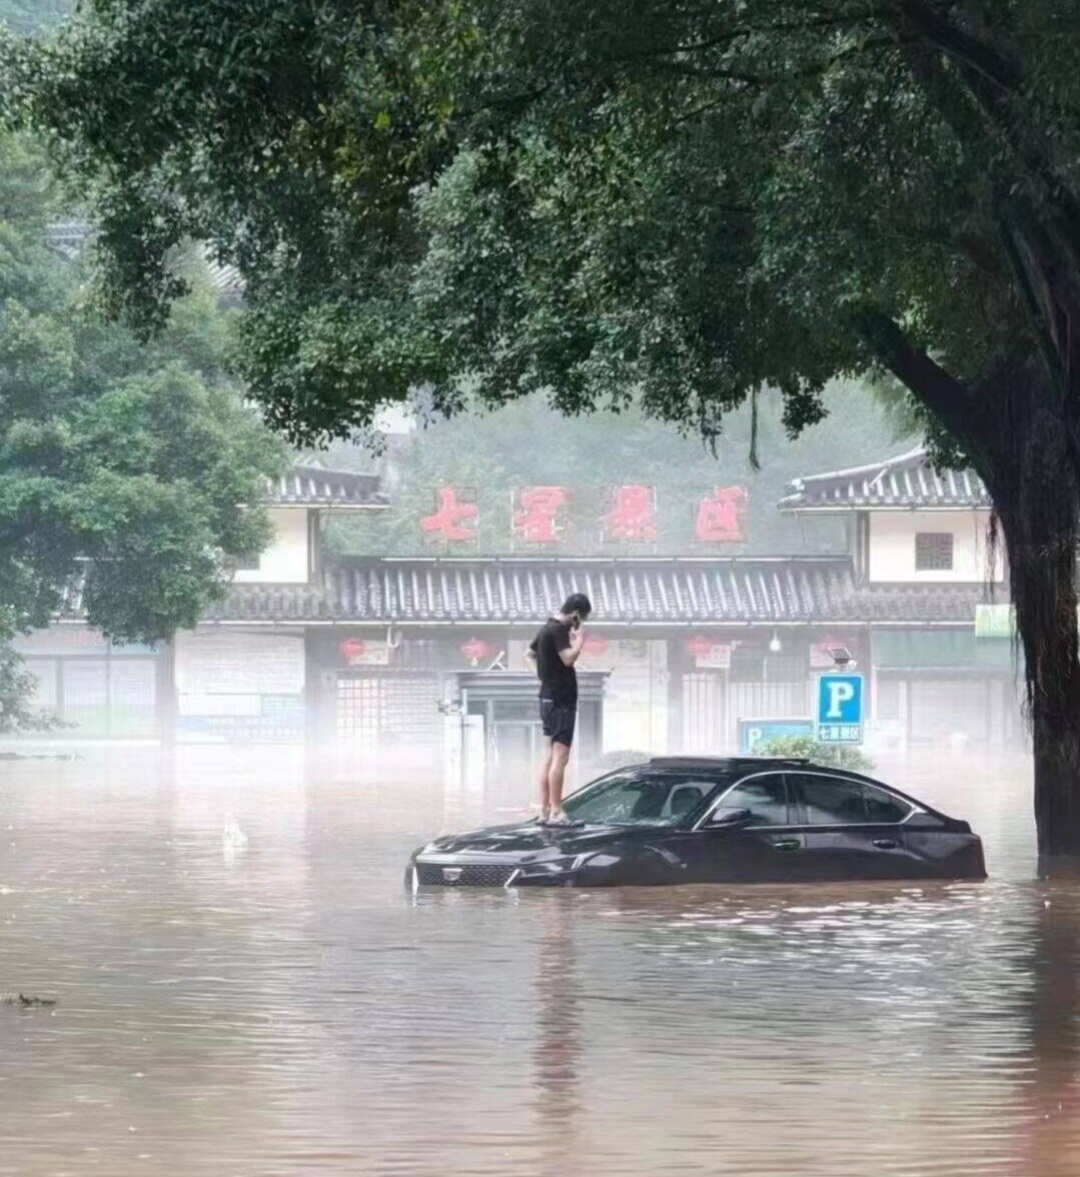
{"x":669,"y":203}
{"x":124,"y":469}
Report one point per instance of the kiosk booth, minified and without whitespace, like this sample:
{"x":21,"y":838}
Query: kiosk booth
{"x":493,"y":725}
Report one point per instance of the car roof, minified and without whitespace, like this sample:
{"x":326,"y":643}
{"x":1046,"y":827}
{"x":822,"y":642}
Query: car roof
{"x":723,"y":763}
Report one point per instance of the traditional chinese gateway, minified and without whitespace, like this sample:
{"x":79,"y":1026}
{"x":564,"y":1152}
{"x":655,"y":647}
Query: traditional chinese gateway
{"x":418,"y":655}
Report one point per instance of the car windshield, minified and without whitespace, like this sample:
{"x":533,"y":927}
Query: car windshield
{"x":636,"y":798}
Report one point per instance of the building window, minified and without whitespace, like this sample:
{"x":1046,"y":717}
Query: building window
{"x":934,"y":551}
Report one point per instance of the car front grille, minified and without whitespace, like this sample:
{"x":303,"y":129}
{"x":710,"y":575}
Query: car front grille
{"x":429,"y":875}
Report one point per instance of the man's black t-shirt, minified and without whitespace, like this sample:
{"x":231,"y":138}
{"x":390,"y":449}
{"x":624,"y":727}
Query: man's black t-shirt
{"x":558,"y":681}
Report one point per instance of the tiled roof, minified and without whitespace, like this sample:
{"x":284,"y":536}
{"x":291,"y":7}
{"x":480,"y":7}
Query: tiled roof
{"x":639,"y":591}
{"x":309,"y":485}
{"x":906,"y":482}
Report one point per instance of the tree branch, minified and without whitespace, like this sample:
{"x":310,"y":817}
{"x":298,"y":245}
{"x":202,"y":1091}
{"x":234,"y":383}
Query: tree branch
{"x":945,"y":396}
{"x":954,"y":42}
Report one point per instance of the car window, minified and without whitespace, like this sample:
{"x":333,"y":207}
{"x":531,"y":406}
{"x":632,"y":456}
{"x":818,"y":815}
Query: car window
{"x":882,"y":807}
{"x":639,"y":798}
{"x":764,"y":796}
{"x":830,"y":801}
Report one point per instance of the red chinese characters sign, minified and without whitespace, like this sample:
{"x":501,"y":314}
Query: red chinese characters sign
{"x":454,"y":520}
{"x":539,"y":514}
{"x":632,"y":517}
{"x":719,"y":516}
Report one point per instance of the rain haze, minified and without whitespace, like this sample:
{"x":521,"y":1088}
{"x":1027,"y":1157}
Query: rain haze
{"x":475,"y":402}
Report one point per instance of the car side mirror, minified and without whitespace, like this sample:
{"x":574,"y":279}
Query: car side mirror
{"x":726,"y":818}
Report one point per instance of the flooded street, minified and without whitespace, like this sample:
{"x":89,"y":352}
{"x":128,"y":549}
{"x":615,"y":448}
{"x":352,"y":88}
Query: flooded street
{"x":285,"y":1007}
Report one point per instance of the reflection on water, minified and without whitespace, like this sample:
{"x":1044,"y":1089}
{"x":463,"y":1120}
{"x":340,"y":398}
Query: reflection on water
{"x":283,"y":1006}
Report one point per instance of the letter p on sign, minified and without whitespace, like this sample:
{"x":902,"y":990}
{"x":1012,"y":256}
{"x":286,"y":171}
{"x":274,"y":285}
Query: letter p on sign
{"x":840,"y":694}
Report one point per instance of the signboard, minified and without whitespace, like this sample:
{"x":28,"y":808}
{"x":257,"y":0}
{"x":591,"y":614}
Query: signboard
{"x":998,"y":621}
{"x":632,"y":517}
{"x":455,"y":518}
{"x":364,"y":652}
{"x":258,"y":718}
{"x":716,"y":657}
{"x":72,"y":639}
{"x":719,"y":516}
{"x":223,"y":663}
{"x":840,"y":709}
{"x":538,"y":514}
{"x":755,"y":732}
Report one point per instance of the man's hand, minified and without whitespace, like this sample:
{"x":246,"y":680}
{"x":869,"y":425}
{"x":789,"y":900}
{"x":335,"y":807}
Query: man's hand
{"x":577,"y":643}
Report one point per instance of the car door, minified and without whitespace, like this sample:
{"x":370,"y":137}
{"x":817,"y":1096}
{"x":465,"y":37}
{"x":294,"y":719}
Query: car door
{"x":852,"y":829}
{"x":769,"y":849}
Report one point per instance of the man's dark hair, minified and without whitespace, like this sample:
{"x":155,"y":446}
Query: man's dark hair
{"x":577,"y":603}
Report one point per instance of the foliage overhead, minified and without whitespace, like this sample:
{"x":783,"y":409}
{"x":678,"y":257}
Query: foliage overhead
{"x":673,"y":204}
{"x":670,"y":204}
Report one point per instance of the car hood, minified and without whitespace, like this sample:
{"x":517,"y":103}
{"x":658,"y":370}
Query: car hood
{"x":529,"y":837}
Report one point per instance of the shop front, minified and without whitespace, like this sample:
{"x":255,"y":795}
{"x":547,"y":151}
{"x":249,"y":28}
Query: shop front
{"x":96,"y":687}
{"x":945,"y":687}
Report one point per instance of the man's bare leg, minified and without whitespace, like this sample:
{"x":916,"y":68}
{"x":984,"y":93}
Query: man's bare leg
{"x":545,"y":774}
{"x":560,"y":754}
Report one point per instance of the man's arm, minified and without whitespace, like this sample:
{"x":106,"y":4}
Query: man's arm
{"x":572,"y":652}
{"x":530,"y":654}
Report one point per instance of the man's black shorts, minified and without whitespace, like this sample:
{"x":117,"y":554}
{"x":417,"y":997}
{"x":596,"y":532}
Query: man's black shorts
{"x":558,"y":721}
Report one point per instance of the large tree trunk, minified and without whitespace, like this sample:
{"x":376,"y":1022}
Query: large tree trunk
{"x":1034,"y":488}
{"x":1013,"y":427}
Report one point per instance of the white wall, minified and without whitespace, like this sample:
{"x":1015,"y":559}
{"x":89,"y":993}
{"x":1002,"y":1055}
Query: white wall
{"x":892,"y":546}
{"x":285,"y":561}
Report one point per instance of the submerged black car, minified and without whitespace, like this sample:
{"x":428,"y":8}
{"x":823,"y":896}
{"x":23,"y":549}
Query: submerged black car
{"x":701,"y":820}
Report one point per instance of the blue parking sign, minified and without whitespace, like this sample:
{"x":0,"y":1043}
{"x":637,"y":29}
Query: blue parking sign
{"x":840,"y":709}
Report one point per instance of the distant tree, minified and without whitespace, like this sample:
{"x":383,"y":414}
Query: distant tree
{"x":675,"y":205}
{"x":130,"y":477}
{"x":18,"y":714}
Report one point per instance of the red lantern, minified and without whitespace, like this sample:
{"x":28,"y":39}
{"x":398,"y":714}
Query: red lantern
{"x":475,"y":650}
{"x":698,"y":646}
{"x":595,"y":645}
{"x":352,"y":650}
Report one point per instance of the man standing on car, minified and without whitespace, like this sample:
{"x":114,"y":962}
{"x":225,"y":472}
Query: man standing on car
{"x":554,"y":651}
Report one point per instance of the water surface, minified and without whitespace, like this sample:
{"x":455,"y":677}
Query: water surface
{"x":288,"y":1008}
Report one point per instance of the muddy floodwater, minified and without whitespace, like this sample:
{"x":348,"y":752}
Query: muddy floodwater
{"x":284,"y":1006}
